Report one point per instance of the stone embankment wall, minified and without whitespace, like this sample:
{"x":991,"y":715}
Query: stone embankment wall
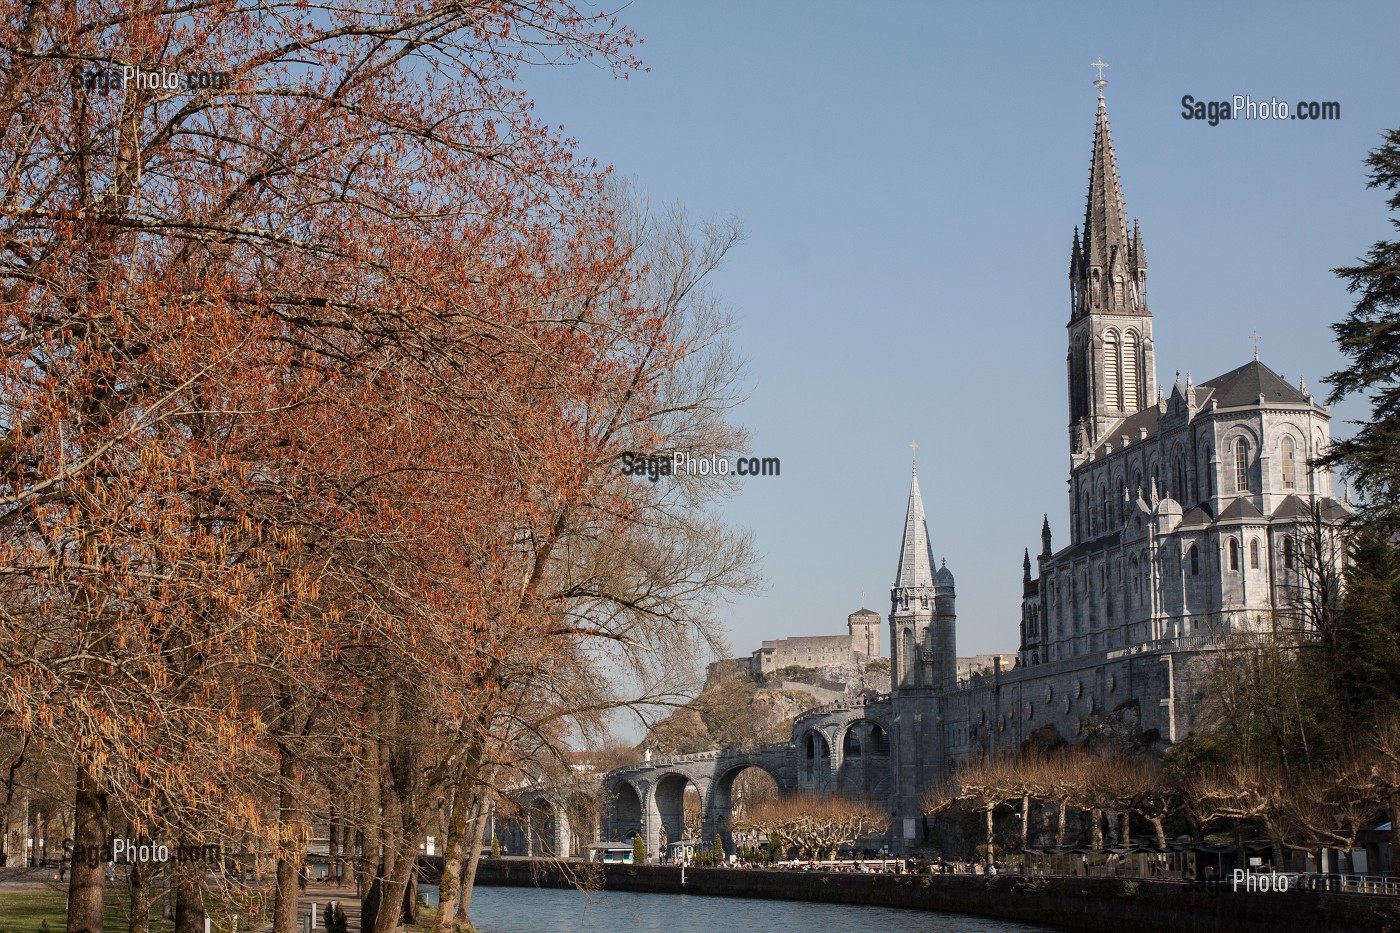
{"x":1107,"y":904}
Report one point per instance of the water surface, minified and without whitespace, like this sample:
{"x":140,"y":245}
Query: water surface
{"x":541,"y":910}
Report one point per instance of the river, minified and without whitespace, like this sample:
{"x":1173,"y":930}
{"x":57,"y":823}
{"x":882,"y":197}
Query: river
{"x":546,"y":910}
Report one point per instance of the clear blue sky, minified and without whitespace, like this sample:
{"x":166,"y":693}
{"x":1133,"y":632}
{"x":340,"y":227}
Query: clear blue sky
{"x":909,"y":175}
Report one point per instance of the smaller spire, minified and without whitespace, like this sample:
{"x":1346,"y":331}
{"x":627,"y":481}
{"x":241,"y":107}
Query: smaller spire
{"x":1045,"y":535}
{"x":1026,"y":566}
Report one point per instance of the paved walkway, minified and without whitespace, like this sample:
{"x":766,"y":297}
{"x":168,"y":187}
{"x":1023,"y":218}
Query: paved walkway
{"x":321,"y":895}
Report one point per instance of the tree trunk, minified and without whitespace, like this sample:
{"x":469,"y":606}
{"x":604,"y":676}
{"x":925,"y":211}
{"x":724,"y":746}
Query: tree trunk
{"x":289,"y":860}
{"x":410,"y":896}
{"x":483,"y":819}
{"x":394,"y":878}
{"x":1096,"y":830}
{"x":91,"y":849}
{"x":991,"y":851}
{"x":1060,"y":826}
{"x":1160,"y":831}
{"x":1124,"y":839}
{"x":1025,"y":822}
{"x":189,"y":898}
{"x":138,"y":877}
{"x":460,"y":824}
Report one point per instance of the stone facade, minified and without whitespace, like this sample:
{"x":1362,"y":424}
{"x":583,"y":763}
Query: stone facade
{"x":859,"y":645}
{"x":1192,"y":516}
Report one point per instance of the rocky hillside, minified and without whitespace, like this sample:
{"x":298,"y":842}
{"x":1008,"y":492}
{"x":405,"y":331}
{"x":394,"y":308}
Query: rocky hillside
{"x":738,"y":709}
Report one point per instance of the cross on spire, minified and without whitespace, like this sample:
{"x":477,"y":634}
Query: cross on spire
{"x":914,"y":447}
{"x":1254,"y":335}
{"x":1100,"y":82}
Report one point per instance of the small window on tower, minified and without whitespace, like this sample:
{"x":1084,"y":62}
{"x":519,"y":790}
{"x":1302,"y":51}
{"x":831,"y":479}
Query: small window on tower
{"x":1253,"y":553}
{"x":1234,"y":554}
{"x":1290,"y":478}
{"x":1195,"y":562}
{"x":1241,"y":465}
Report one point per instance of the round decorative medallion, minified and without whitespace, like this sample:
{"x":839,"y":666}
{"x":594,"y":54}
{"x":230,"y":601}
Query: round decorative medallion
{"x":1078,"y":689}
{"x":1049,"y":693}
{"x":1002,"y":724}
{"x":1111,"y":683}
{"x":1028,"y":710}
{"x":1066,"y":704}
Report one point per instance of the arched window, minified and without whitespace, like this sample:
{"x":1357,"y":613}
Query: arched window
{"x":1118,"y":291}
{"x":1287,"y":553}
{"x":1253,"y":553}
{"x":1137,"y":583}
{"x":1287,"y":450}
{"x":1195,"y":562}
{"x":1131,"y":400}
{"x":1113,"y":390}
{"x":1103,"y":507}
{"x":1179,"y":491}
{"x":1241,"y":465}
{"x":1234,"y":554}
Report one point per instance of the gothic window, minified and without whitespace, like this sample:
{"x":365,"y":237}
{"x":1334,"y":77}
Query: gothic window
{"x":1131,"y":398}
{"x":1094,"y":287}
{"x":1113,"y":391}
{"x":1195,"y":562}
{"x":1137,"y":483}
{"x":1287,"y":553}
{"x":1288,"y":448}
{"x":1241,"y":465}
{"x":1253,"y":553}
{"x":1103,"y":507}
{"x":1118,"y":291}
{"x":1179,"y":491}
{"x":1234,"y":554}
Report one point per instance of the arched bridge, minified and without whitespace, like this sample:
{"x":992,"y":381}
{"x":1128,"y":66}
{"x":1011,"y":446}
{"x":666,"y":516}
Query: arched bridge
{"x":843,"y":746}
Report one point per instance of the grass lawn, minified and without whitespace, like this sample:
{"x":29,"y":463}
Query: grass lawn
{"x":26,"y":912}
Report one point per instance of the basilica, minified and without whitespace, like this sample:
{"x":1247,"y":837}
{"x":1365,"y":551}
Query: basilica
{"x":1190,"y":517}
{"x":1194,"y":515}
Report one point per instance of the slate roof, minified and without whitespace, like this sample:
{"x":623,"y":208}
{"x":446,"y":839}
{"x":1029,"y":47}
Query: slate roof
{"x":1240,"y":509}
{"x":1295,"y":507}
{"x":915,"y":554}
{"x":1200,"y":515}
{"x":1131,"y":426}
{"x":1243,"y":386}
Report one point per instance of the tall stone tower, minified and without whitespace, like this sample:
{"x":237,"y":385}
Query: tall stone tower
{"x":1112,"y":365}
{"x":922,"y":614}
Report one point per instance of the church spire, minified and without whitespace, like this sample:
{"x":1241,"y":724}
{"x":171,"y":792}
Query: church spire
{"x":1111,"y":358}
{"x":1105,"y":221}
{"x":915,"y":555}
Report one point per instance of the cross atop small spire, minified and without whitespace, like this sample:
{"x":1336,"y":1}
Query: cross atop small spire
{"x":1100,"y":82}
{"x":1254,"y":335}
{"x":914,"y":447}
